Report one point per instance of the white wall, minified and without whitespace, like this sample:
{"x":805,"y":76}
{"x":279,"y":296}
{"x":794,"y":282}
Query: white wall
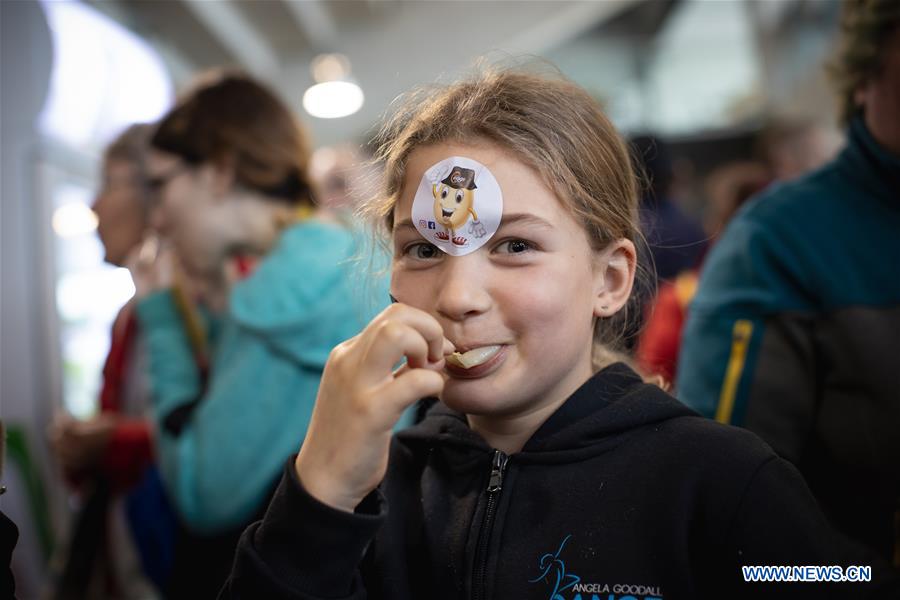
{"x":25,"y":338}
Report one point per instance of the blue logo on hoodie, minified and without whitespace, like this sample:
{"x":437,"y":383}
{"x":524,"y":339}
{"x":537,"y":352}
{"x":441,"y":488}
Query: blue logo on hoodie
{"x":553,"y":571}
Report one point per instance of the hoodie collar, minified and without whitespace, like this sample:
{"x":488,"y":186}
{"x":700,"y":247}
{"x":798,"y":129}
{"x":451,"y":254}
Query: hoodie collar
{"x":614,"y":401}
{"x":866,"y":160}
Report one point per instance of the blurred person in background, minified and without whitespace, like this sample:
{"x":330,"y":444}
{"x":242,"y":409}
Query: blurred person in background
{"x":672,"y":241}
{"x":793,"y":331}
{"x":787,"y":149}
{"x":107,"y":459}
{"x":340,"y":175}
{"x":727,"y":188}
{"x":676,"y":240}
{"x":791,"y":147}
{"x":276,"y":295}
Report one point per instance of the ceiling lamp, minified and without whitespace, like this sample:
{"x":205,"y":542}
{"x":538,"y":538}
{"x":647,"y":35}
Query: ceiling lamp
{"x":335,"y":94}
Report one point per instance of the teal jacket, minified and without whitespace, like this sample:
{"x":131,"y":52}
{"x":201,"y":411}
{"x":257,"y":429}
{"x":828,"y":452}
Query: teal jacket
{"x":795,"y":327}
{"x":221,"y":450}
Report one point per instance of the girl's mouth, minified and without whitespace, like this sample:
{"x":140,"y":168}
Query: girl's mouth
{"x":477,"y":362}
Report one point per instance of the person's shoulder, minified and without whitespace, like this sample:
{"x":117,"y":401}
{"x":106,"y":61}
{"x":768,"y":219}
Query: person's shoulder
{"x":716,"y":447}
{"x":769,"y":256}
{"x":711,"y":464}
{"x":782,"y":200}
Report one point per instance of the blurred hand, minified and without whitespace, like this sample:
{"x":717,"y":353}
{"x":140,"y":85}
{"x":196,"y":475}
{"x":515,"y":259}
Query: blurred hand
{"x":363,"y":397}
{"x":79,"y":444}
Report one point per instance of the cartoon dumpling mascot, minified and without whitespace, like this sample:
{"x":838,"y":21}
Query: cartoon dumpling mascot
{"x":454,"y":203}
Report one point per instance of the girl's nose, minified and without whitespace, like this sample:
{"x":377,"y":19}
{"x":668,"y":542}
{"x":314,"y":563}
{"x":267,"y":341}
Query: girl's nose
{"x":462,"y":292}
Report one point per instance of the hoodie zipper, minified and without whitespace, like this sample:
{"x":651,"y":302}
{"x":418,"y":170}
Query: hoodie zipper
{"x":495,"y":484}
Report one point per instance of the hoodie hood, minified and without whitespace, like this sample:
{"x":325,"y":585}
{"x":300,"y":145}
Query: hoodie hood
{"x":309,"y":293}
{"x":615,"y":402}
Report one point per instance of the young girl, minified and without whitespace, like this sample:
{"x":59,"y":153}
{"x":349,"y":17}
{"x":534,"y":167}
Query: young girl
{"x":546,"y":470}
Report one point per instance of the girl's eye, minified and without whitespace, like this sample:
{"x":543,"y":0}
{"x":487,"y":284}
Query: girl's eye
{"x":422,"y":251}
{"x":516,"y":246}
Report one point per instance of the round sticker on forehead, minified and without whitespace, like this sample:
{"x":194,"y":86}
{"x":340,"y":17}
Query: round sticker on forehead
{"x":458,"y":205}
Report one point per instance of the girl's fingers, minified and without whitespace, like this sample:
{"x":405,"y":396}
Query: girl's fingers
{"x":401,"y":370}
{"x":396,"y":334}
{"x":422,"y":322}
{"x":361,"y":391}
{"x":412,"y":385}
{"x":390,"y":344}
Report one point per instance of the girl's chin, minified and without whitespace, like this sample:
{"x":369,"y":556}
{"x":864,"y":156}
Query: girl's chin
{"x":472,"y":396}
{"x":470,"y":408}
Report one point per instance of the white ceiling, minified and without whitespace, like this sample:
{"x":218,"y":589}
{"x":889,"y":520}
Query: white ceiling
{"x":612,"y":47}
{"x":392,"y":45}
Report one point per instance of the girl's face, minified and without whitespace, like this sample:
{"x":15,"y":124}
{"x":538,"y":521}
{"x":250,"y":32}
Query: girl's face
{"x":121,"y":214}
{"x":192,"y":212}
{"x":534,"y":289}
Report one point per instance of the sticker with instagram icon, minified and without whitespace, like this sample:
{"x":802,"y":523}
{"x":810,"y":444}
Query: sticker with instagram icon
{"x":458,"y":205}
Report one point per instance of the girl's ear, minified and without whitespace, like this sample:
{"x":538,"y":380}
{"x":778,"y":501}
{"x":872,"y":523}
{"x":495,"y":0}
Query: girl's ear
{"x":614,"y":277}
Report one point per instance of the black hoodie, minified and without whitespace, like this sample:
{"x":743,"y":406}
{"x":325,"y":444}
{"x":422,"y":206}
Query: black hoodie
{"x":622,"y":494}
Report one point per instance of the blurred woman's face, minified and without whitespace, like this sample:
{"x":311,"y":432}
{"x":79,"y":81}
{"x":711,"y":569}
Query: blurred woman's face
{"x":120,"y":210}
{"x":190,"y":214}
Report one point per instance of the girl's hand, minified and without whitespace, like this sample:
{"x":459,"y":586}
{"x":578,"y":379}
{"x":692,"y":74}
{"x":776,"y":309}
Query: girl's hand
{"x":361,"y":398}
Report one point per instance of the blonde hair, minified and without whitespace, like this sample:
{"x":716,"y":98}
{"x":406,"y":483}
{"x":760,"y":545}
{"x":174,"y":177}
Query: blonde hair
{"x":550,"y":124}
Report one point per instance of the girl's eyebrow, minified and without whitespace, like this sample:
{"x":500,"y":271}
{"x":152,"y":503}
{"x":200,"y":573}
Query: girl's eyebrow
{"x":404,"y":224}
{"x":525,"y":219}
